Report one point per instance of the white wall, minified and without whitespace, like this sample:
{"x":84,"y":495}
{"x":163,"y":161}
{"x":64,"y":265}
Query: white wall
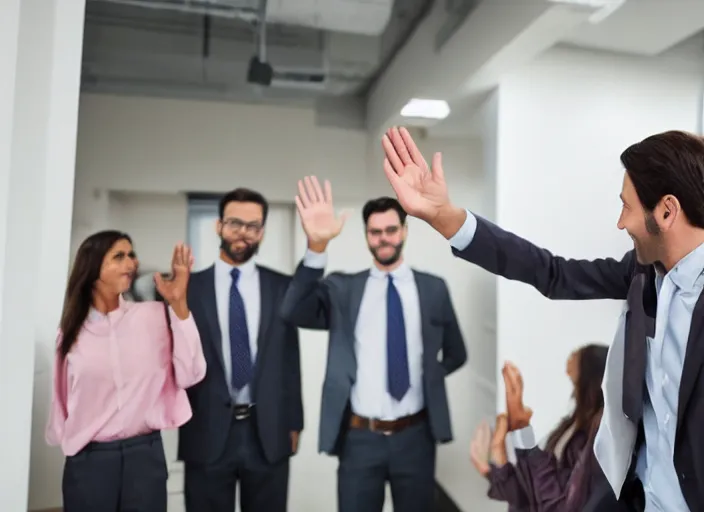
{"x":562,"y":123}
{"x":136,"y":158}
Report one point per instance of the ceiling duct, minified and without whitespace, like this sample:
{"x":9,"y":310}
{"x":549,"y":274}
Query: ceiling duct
{"x":219,"y":8}
{"x":366,"y":17}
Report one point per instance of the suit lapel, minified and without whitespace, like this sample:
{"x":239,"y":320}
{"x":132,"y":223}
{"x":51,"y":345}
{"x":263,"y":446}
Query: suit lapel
{"x":266,"y":313}
{"x":210,"y":309}
{"x":426,"y":306}
{"x":694,"y":358}
{"x":359,"y":281}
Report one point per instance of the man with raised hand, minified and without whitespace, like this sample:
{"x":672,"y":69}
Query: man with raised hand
{"x":393,"y":339}
{"x":649,"y":443}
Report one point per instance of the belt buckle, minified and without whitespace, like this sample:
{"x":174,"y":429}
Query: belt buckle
{"x":242,"y":412}
{"x":373,"y":427}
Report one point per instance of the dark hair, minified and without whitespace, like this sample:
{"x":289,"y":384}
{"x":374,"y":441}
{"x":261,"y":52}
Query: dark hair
{"x":79,"y":290}
{"x":243,"y":195}
{"x":669,"y":163}
{"x":585,"y":418}
{"x":589,"y":399}
{"x":381,"y":205}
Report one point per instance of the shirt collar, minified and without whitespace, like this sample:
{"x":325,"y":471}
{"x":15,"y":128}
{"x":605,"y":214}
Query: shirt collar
{"x":96,"y":316}
{"x":223,"y":268}
{"x":688,"y":269}
{"x":403,"y":271}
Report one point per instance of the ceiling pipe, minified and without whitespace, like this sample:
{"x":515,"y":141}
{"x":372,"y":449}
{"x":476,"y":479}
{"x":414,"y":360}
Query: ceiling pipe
{"x":211,"y":9}
{"x":261,"y":32}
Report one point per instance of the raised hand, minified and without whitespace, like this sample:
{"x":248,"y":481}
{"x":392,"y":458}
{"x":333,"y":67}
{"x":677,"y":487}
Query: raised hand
{"x":498,"y":454}
{"x":316,"y":211}
{"x":421,"y":191}
{"x":174,"y":289}
{"x":479,"y":448}
{"x":518,"y":414}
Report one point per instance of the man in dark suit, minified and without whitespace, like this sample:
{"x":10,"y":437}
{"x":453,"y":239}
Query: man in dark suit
{"x":649,"y":443}
{"x":384,"y":403}
{"x":247,"y":412}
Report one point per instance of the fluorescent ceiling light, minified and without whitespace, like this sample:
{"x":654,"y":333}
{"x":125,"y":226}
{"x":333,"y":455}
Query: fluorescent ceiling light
{"x":602,"y":8}
{"x":428,"y":109}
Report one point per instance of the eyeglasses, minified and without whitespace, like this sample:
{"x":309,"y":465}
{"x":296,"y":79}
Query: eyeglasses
{"x":388,"y":231}
{"x":251,"y":228}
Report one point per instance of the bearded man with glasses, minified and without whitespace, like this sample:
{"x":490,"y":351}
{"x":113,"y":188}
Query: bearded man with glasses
{"x":247,"y":412}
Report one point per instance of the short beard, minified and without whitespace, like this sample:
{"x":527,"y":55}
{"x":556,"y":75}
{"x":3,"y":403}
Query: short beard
{"x":242,"y":256}
{"x":651,"y":224}
{"x":391,"y":259}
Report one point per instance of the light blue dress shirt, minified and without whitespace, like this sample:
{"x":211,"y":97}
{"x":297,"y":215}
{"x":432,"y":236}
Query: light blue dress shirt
{"x":678,"y":292}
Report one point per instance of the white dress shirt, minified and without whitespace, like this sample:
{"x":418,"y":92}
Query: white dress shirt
{"x":370,"y":397}
{"x":678,"y":292}
{"x":248,"y":286}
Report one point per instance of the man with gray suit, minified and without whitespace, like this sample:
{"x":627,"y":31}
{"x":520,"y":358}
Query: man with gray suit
{"x":393,"y":339}
{"x":247,"y":412}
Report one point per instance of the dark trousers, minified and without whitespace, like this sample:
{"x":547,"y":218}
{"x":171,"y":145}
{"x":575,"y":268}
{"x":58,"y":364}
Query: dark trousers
{"x":263,"y":486}
{"x":405,"y":459}
{"x":119,"y":476}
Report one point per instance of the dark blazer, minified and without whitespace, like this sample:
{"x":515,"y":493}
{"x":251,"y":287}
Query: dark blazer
{"x":277,"y":378}
{"x":538,"y":481}
{"x":505,"y":254}
{"x":332,"y":303}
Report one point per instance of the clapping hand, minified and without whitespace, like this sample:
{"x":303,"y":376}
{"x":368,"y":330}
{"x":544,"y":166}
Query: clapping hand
{"x":421,"y":191}
{"x":479,"y":448}
{"x":488,"y":449}
{"x":315,"y":208}
{"x":174,"y":290}
{"x":518,"y":414}
{"x":498,"y":441}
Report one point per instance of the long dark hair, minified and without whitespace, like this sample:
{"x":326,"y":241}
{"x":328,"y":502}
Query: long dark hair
{"x":79,"y":290}
{"x":589,"y":399}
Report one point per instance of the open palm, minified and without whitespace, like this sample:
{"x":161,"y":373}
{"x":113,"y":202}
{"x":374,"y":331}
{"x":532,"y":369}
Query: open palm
{"x":316,"y":210}
{"x":421,"y":191}
{"x":175,"y":288}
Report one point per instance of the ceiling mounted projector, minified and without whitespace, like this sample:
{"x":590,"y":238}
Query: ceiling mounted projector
{"x":260,"y":73}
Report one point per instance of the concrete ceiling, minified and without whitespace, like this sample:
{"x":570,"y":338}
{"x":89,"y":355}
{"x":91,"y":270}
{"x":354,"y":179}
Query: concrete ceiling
{"x":165,"y":50}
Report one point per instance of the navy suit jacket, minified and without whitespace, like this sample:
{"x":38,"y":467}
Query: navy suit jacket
{"x":277,"y":378}
{"x":504,"y":254}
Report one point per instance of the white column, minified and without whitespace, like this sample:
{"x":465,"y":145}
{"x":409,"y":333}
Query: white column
{"x":37,"y":176}
{"x":557,"y":131}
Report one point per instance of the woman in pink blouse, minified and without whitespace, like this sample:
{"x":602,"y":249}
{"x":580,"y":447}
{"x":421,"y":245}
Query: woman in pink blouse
{"x":120,"y":376}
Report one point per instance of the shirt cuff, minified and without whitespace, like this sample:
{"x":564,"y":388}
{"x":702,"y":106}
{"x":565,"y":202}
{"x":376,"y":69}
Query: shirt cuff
{"x":315,"y":259}
{"x":523,"y":439}
{"x":465,"y":235}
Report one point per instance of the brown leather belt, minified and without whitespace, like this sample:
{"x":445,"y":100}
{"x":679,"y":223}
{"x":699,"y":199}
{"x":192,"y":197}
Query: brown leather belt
{"x":387,"y":427}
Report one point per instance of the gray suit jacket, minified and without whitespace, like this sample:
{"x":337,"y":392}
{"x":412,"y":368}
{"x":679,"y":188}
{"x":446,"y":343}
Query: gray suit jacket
{"x":332,"y":303}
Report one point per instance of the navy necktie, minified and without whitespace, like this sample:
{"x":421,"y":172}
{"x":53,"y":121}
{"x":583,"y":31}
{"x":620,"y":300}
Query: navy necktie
{"x":396,"y":350}
{"x":240,"y":353}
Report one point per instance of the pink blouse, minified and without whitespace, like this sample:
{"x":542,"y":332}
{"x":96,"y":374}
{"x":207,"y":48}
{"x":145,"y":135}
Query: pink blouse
{"x":122,"y":377}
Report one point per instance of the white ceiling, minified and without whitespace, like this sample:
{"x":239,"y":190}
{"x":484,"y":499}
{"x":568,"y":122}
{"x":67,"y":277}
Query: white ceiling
{"x":648,"y":28}
{"x":643,"y":27}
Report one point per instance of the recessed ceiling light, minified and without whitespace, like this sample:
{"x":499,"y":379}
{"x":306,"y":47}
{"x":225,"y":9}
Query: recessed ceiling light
{"x":427,"y":109}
